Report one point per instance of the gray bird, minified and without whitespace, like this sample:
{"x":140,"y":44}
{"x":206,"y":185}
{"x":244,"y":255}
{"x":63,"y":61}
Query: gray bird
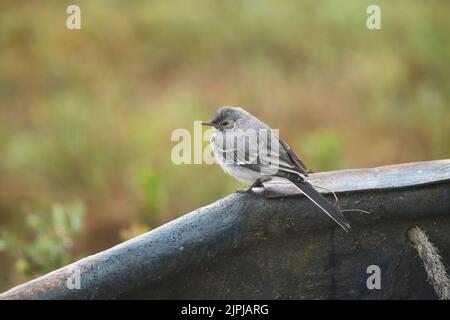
{"x":248,"y":150}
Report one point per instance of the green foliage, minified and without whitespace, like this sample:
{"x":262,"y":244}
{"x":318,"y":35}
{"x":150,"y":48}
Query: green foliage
{"x":51,"y":243}
{"x":152,"y":185}
{"x":325,"y":150}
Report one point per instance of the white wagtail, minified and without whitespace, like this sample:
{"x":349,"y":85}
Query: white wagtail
{"x":248,"y":150}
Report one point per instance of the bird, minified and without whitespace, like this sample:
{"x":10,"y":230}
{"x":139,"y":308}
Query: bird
{"x":250,"y":151}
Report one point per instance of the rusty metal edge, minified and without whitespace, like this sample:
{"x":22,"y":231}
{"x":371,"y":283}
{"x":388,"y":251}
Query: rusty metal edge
{"x":431,"y":172}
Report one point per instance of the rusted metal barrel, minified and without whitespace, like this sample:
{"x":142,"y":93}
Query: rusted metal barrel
{"x":269,"y":246}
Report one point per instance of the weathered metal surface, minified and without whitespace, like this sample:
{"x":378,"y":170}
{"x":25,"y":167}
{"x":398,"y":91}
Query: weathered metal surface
{"x":248,"y":246}
{"x":393,"y":176}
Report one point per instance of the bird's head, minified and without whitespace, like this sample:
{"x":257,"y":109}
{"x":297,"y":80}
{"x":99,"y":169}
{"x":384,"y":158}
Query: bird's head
{"x":226,"y":118}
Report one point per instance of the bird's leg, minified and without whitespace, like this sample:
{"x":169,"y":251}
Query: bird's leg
{"x":258,"y":183}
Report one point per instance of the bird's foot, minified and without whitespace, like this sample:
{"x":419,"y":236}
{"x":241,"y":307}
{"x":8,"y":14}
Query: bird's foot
{"x":246,"y":190}
{"x":258,"y":183}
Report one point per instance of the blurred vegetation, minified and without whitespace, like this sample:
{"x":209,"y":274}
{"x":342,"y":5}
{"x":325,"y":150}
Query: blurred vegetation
{"x":88,"y":114}
{"x":52,"y":242}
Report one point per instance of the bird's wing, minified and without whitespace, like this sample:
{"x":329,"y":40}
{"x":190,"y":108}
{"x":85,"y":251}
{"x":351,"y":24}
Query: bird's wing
{"x":292,"y":158}
{"x":271,"y":159}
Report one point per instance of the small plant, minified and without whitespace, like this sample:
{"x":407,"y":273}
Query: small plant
{"x":50,"y":246}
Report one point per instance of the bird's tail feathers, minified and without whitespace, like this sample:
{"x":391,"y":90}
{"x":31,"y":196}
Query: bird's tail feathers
{"x":320,"y":201}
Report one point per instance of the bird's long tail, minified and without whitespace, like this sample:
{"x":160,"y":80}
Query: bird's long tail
{"x":321,"y":202}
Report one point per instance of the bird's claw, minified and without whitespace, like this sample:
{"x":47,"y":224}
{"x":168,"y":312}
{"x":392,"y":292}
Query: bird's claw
{"x":258,"y":183}
{"x":247,"y":190}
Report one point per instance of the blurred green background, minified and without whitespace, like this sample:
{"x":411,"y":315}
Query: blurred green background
{"x":86,"y":115}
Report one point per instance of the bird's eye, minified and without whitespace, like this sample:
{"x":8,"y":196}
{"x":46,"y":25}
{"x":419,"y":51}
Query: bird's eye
{"x":225,"y":123}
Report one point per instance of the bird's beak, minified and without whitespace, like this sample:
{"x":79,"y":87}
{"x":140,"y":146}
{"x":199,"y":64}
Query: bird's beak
{"x":208,"y":123}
